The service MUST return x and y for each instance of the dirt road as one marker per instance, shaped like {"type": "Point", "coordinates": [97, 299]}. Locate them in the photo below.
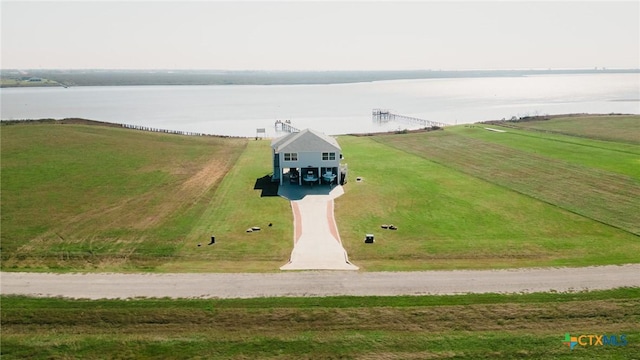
{"type": "Point", "coordinates": [318, 283]}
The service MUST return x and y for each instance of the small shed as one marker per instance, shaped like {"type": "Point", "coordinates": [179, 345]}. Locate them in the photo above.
{"type": "Point", "coordinates": [307, 156]}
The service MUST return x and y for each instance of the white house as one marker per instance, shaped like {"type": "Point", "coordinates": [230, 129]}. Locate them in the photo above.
{"type": "Point", "coordinates": [307, 156]}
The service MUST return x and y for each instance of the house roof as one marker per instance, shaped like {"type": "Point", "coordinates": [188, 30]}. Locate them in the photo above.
{"type": "Point", "coordinates": [306, 140]}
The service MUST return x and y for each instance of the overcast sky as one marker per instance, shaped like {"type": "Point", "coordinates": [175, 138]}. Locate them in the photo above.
{"type": "Point", "coordinates": [323, 35]}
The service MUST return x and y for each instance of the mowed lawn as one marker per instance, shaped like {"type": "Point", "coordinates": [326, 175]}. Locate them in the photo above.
{"type": "Point", "coordinates": [77, 197]}
{"type": "Point", "coordinates": [603, 196]}
{"type": "Point", "coordinates": [454, 207]}
{"type": "Point", "coordinates": [92, 198]}
{"type": "Point", "coordinates": [617, 128]}
{"type": "Point", "coordinates": [246, 198]}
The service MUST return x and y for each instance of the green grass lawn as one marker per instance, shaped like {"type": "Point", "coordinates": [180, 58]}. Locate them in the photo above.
{"type": "Point", "coordinates": [620, 128]}
{"type": "Point", "coordinates": [486, 326]}
{"type": "Point", "coordinates": [98, 198]}
{"type": "Point", "coordinates": [449, 217]}
{"type": "Point", "coordinates": [239, 203]}
{"type": "Point", "coordinates": [89, 198]}
{"type": "Point", "coordinates": [603, 196]}
{"type": "Point", "coordinates": [92, 198]}
{"type": "Point", "coordinates": [611, 156]}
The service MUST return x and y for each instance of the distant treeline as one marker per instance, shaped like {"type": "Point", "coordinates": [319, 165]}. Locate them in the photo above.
{"type": "Point", "coordinates": [220, 77]}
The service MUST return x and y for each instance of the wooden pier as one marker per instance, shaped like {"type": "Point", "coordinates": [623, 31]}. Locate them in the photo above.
{"type": "Point", "coordinates": [285, 126]}
{"type": "Point", "coordinates": [383, 115]}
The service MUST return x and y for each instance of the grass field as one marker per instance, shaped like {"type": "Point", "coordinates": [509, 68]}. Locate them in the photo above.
{"type": "Point", "coordinates": [447, 219]}
{"type": "Point", "coordinates": [467, 197]}
{"type": "Point", "coordinates": [89, 198]}
{"type": "Point", "coordinates": [603, 196]}
{"type": "Point", "coordinates": [92, 198]}
{"type": "Point", "coordinates": [621, 128]}
{"type": "Point", "coordinates": [486, 326]}
{"type": "Point", "coordinates": [244, 199]}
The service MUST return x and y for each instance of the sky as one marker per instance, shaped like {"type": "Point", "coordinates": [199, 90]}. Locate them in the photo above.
{"type": "Point", "coordinates": [322, 35]}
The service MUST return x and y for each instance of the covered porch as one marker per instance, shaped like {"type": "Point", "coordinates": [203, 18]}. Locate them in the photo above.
{"type": "Point", "coordinates": [311, 175]}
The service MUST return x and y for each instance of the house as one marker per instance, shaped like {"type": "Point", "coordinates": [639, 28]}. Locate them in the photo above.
{"type": "Point", "coordinates": [307, 157]}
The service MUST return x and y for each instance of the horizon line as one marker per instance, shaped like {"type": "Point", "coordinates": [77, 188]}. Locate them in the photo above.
{"type": "Point", "coordinates": [598, 68]}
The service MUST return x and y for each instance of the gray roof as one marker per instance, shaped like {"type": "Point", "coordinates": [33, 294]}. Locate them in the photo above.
{"type": "Point", "coordinates": [306, 140]}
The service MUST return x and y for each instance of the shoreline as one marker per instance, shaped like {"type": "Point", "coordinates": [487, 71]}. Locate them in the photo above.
{"type": "Point", "coordinates": [14, 78]}
{"type": "Point", "coordinates": [90, 122]}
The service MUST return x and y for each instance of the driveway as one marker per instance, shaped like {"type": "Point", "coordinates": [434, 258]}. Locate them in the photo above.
{"type": "Point", "coordinates": [316, 240]}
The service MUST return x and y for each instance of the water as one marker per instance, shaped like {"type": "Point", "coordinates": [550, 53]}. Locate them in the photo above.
{"type": "Point", "coordinates": [238, 110]}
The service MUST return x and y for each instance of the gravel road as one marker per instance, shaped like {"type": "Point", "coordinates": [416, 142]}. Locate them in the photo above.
{"type": "Point", "coordinates": [318, 283]}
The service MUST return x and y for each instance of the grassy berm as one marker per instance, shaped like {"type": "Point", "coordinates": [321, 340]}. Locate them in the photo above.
{"type": "Point", "coordinates": [489, 326]}
{"type": "Point", "coordinates": [558, 192]}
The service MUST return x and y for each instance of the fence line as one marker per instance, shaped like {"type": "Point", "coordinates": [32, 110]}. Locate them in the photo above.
{"type": "Point", "coordinates": [79, 121]}
{"type": "Point", "coordinates": [165, 131]}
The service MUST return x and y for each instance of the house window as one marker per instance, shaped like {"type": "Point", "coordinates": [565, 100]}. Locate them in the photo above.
{"type": "Point", "coordinates": [328, 156]}
{"type": "Point", "coordinates": [290, 156]}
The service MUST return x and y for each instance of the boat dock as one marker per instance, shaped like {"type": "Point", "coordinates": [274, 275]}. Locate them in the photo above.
{"type": "Point", "coordinates": [285, 126]}
{"type": "Point", "coordinates": [383, 115]}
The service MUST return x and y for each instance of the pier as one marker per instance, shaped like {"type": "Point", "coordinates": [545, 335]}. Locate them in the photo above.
{"type": "Point", "coordinates": [383, 115]}
{"type": "Point", "coordinates": [285, 126]}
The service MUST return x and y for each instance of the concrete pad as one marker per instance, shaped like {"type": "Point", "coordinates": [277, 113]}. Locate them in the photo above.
{"type": "Point", "coordinates": [298, 192]}
{"type": "Point", "coordinates": [317, 244]}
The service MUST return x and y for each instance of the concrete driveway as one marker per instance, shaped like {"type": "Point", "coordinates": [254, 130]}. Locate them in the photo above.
{"type": "Point", "coordinates": [316, 240]}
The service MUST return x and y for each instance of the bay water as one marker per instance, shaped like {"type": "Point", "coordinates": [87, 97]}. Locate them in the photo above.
{"type": "Point", "coordinates": [239, 110]}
